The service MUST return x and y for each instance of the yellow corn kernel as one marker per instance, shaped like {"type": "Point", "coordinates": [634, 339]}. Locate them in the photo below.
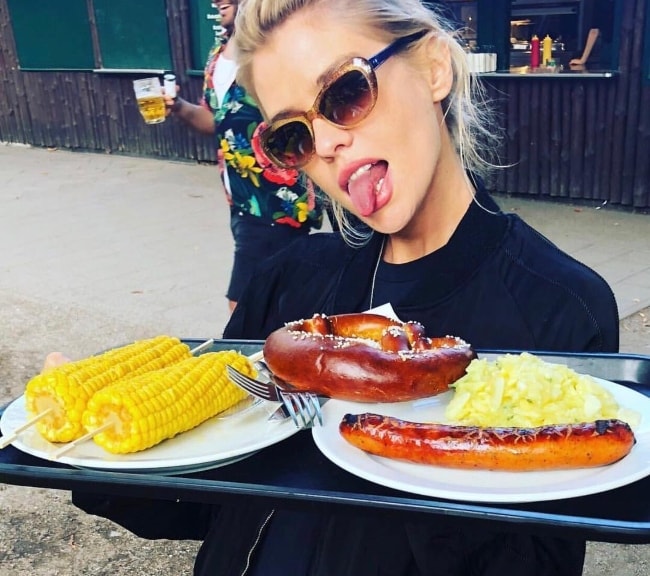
{"type": "Point", "coordinates": [66, 389]}
{"type": "Point", "coordinates": [148, 409]}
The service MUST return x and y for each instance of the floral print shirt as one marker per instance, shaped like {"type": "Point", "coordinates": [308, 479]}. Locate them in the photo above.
{"type": "Point", "coordinates": [256, 186]}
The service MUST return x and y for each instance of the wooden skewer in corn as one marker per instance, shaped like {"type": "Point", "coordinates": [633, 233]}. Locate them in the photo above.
{"type": "Point", "coordinates": [61, 451]}
{"type": "Point", "coordinates": [201, 347]}
{"type": "Point", "coordinates": [6, 440]}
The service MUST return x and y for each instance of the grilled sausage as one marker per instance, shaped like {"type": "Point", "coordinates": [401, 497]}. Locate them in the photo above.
{"type": "Point", "coordinates": [555, 447]}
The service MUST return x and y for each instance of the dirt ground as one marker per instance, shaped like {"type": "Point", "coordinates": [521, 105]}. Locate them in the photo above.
{"type": "Point", "coordinates": [44, 535]}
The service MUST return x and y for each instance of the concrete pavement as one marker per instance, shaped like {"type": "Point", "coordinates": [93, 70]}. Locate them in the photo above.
{"type": "Point", "coordinates": [139, 239]}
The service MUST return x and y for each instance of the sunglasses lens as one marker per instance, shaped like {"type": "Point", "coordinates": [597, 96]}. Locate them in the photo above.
{"type": "Point", "coordinates": [347, 100]}
{"type": "Point", "coordinates": [290, 145]}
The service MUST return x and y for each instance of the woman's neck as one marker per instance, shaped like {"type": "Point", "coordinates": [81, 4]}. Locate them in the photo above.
{"type": "Point", "coordinates": [438, 216]}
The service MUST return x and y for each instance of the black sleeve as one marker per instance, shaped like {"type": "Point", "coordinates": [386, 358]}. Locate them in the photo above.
{"type": "Point", "coordinates": [151, 519]}
{"type": "Point", "coordinates": [294, 283]}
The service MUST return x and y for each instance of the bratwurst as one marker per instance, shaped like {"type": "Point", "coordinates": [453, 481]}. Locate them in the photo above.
{"type": "Point", "coordinates": [552, 447]}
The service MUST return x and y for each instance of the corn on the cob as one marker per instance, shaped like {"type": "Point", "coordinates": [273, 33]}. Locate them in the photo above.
{"type": "Point", "coordinates": [66, 389]}
{"type": "Point", "coordinates": [150, 408]}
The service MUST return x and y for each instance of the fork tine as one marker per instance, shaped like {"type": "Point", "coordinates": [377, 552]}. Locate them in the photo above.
{"type": "Point", "coordinates": [250, 385]}
{"type": "Point", "coordinates": [235, 376]}
{"type": "Point", "coordinates": [287, 400]}
{"type": "Point", "coordinates": [303, 407]}
{"type": "Point", "coordinates": [303, 410]}
{"type": "Point", "coordinates": [307, 399]}
{"type": "Point", "coordinates": [255, 387]}
{"type": "Point", "coordinates": [316, 404]}
{"type": "Point", "coordinates": [311, 408]}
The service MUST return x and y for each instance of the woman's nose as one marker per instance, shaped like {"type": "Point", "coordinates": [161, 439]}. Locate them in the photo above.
{"type": "Point", "coordinates": [328, 139]}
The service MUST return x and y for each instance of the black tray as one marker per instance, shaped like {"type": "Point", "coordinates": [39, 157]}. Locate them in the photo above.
{"type": "Point", "coordinates": [621, 515]}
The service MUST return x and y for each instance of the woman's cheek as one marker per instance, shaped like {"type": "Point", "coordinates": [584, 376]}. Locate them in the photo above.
{"type": "Point", "coordinates": [329, 185]}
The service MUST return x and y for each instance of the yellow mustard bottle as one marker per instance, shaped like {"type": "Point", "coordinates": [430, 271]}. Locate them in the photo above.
{"type": "Point", "coordinates": [547, 47]}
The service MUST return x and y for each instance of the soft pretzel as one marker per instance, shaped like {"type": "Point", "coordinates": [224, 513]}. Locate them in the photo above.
{"type": "Point", "coordinates": [365, 358]}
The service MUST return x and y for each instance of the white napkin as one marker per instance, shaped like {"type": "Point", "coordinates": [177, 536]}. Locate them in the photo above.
{"type": "Point", "coordinates": [384, 310]}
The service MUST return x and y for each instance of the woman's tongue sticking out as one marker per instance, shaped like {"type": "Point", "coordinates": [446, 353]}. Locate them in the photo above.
{"type": "Point", "coordinates": [364, 185]}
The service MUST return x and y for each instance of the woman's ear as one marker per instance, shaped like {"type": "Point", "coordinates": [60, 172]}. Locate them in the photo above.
{"type": "Point", "coordinates": [439, 68]}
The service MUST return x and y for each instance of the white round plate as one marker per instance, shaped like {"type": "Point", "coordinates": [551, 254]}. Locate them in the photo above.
{"type": "Point", "coordinates": [480, 485]}
{"type": "Point", "coordinates": [216, 442]}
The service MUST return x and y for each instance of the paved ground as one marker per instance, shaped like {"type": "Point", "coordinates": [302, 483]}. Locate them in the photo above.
{"type": "Point", "coordinates": [100, 250]}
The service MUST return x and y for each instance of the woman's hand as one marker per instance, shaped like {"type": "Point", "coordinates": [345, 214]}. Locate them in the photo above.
{"type": "Point", "coordinates": [54, 359]}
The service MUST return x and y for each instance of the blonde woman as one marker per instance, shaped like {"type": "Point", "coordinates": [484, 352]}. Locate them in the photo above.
{"type": "Point", "coordinates": [372, 100]}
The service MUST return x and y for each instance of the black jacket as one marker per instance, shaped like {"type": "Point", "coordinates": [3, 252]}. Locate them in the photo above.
{"type": "Point", "coordinates": [498, 284]}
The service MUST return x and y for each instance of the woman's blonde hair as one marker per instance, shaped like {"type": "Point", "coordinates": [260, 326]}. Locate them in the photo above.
{"type": "Point", "coordinates": [467, 115]}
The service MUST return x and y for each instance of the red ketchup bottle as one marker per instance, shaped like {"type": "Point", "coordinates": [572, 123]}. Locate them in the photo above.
{"type": "Point", "coordinates": [534, 52]}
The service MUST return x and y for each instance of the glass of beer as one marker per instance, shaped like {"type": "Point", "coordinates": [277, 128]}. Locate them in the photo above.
{"type": "Point", "coordinates": [149, 96]}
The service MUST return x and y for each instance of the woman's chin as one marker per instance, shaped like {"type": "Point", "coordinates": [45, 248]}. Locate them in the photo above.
{"type": "Point", "coordinates": [385, 222]}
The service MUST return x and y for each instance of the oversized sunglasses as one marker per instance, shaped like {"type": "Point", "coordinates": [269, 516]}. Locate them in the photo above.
{"type": "Point", "coordinates": [348, 95]}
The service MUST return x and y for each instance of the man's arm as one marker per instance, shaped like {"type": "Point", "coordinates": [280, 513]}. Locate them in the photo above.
{"type": "Point", "coordinates": [589, 45]}
{"type": "Point", "coordinates": [195, 115]}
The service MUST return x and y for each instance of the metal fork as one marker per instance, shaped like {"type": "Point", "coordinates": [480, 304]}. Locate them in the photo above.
{"type": "Point", "coordinates": [303, 407]}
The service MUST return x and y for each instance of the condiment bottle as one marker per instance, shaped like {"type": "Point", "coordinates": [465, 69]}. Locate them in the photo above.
{"type": "Point", "coordinates": [547, 47]}
{"type": "Point", "coordinates": [534, 52]}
